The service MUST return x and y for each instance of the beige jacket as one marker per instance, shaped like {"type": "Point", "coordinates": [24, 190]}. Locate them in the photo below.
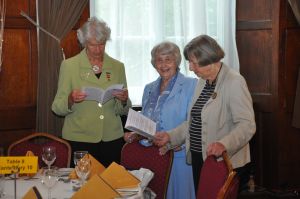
{"type": "Point", "coordinates": [228, 119]}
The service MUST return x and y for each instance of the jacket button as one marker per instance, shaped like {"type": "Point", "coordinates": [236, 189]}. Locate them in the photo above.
{"type": "Point", "coordinates": [101, 117]}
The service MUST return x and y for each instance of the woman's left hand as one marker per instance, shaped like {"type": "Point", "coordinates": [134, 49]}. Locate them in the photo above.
{"type": "Point", "coordinates": [161, 138]}
{"type": "Point", "coordinates": [121, 95]}
{"type": "Point", "coordinates": [129, 136]}
{"type": "Point", "coordinates": [215, 149]}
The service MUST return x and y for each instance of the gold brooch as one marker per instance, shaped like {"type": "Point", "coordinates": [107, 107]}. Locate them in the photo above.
{"type": "Point", "coordinates": [214, 95]}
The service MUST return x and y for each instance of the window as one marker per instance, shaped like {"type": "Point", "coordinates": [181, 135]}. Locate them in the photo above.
{"type": "Point", "coordinates": [138, 25]}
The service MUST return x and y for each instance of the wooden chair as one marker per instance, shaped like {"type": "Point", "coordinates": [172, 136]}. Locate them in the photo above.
{"type": "Point", "coordinates": [218, 180]}
{"type": "Point", "coordinates": [36, 141]}
{"type": "Point", "coordinates": [135, 156]}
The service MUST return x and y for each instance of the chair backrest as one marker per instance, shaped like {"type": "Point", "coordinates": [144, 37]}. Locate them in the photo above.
{"type": "Point", "coordinates": [231, 186]}
{"type": "Point", "coordinates": [36, 141]}
{"type": "Point", "coordinates": [135, 156]}
{"type": "Point", "coordinates": [218, 180]}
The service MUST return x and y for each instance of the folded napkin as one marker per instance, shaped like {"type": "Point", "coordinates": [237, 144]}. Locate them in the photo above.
{"type": "Point", "coordinates": [145, 176]}
{"type": "Point", "coordinates": [118, 177]}
{"type": "Point", "coordinates": [32, 193]}
{"type": "Point", "coordinates": [96, 167]}
{"type": "Point", "coordinates": [96, 188]}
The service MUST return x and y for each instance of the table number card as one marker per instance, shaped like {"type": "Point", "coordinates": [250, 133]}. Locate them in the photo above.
{"type": "Point", "coordinates": [18, 164]}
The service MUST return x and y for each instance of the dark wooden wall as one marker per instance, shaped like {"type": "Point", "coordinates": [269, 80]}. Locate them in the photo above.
{"type": "Point", "coordinates": [18, 78]}
{"type": "Point", "coordinates": [268, 40]}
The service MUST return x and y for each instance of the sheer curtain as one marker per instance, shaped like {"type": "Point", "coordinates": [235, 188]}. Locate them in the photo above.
{"type": "Point", "coordinates": [138, 25]}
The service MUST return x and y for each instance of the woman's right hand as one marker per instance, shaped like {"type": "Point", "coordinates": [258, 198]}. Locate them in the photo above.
{"type": "Point", "coordinates": [76, 96]}
{"type": "Point", "coordinates": [161, 138]}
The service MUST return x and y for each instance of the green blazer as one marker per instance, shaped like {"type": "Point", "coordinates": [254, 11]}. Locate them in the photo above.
{"type": "Point", "coordinates": [88, 121]}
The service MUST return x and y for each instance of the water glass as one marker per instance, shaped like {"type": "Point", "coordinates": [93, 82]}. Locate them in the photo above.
{"type": "Point", "coordinates": [83, 169]}
{"type": "Point", "coordinates": [78, 155]}
{"type": "Point", "coordinates": [49, 179]}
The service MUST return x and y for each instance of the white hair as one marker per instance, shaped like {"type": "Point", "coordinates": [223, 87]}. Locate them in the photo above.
{"type": "Point", "coordinates": [93, 29]}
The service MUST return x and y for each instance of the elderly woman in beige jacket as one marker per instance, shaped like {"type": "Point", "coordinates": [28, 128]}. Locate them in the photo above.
{"type": "Point", "coordinates": [221, 117]}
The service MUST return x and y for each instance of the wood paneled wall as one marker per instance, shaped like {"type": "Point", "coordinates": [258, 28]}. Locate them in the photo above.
{"type": "Point", "coordinates": [18, 78]}
{"type": "Point", "coordinates": [268, 38]}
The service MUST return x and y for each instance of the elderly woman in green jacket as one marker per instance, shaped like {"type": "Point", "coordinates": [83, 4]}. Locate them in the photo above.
{"type": "Point", "coordinates": [89, 125]}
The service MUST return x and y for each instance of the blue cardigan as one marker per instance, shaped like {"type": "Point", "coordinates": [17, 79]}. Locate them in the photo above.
{"type": "Point", "coordinates": [175, 109]}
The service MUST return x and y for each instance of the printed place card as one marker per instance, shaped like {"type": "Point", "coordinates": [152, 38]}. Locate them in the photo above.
{"type": "Point", "coordinates": [18, 164]}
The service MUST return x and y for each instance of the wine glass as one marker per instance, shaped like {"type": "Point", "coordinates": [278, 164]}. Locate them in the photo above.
{"type": "Point", "coordinates": [49, 179]}
{"type": "Point", "coordinates": [49, 155]}
{"type": "Point", "coordinates": [78, 155]}
{"type": "Point", "coordinates": [83, 169]}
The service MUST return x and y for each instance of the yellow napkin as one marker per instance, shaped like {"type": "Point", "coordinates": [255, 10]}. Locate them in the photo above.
{"type": "Point", "coordinates": [96, 167]}
{"type": "Point", "coordinates": [28, 153]}
{"type": "Point", "coordinates": [96, 188]}
{"type": "Point", "coordinates": [32, 193]}
{"type": "Point", "coordinates": [118, 177]}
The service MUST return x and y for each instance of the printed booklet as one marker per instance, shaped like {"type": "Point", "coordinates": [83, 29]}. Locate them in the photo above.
{"type": "Point", "coordinates": [140, 124]}
{"type": "Point", "coordinates": [100, 95]}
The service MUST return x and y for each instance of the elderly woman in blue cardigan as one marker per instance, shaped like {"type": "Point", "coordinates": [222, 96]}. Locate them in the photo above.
{"type": "Point", "coordinates": [166, 101]}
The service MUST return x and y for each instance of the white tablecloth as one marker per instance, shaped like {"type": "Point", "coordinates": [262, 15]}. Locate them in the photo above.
{"type": "Point", "coordinates": [64, 190]}
{"type": "Point", "coordinates": [60, 191]}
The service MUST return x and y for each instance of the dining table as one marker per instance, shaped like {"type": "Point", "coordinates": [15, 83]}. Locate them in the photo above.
{"type": "Point", "coordinates": [64, 187]}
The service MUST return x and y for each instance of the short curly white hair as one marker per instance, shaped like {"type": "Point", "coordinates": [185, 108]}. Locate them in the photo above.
{"type": "Point", "coordinates": [93, 29]}
{"type": "Point", "coordinates": [166, 48]}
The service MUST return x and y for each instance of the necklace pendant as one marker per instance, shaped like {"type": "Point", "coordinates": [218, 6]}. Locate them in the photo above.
{"type": "Point", "coordinates": [95, 68]}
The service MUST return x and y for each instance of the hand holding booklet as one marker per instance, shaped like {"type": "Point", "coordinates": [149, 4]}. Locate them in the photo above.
{"type": "Point", "coordinates": [140, 124]}
{"type": "Point", "coordinates": [100, 95]}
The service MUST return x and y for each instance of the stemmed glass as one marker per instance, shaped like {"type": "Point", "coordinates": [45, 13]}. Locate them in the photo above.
{"type": "Point", "coordinates": [83, 169]}
{"type": "Point", "coordinates": [49, 155]}
{"type": "Point", "coordinates": [49, 179]}
{"type": "Point", "coordinates": [78, 155]}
